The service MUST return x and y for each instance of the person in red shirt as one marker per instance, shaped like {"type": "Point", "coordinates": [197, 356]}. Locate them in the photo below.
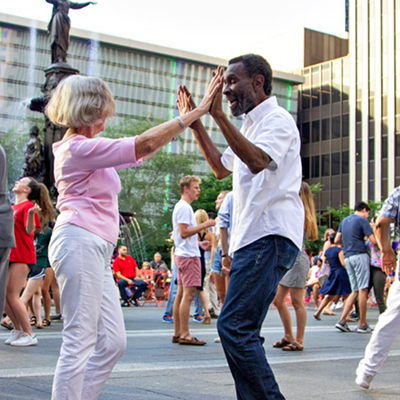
{"type": "Point", "coordinates": [125, 269]}
{"type": "Point", "coordinates": [31, 198]}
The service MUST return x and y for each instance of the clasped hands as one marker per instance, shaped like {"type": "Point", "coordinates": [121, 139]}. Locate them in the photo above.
{"type": "Point", "coordinates": [212, 100]}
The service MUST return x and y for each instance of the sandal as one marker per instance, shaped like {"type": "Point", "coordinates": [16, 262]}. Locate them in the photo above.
{"type": "Point", "coordinates": [46, 322]}
{"type": "Point", "coordinates": [317, 317]}
{"type": "Point", "coordinates": [281, 343]}
{"type": "Point", "coordinates": [32, 320]}
{"type": "Point", "coordinates": [294, 346]}
{"type": "Point", "coordinates": [192, 341]}
{"type": "Point", "coordinates": [7, 325]}
{"type": "Point", "coordinates": [328, 313]}
{"type": "Point", "coordinates": [175, 339]}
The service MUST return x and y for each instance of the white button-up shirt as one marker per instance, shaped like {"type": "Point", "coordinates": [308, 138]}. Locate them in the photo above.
{"type": "Point", "coordinates": [267, 203]}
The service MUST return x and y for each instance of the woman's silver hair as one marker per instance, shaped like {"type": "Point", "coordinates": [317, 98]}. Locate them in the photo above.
{"type": "Point", "coordinates": [80, 101]}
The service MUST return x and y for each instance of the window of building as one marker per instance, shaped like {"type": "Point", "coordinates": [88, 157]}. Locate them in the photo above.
{"type": "Point", "coordinates": [371, 149]}
{"type": "Point", "coordinates": [397, 144]}
{"type": "Point", "coordinates": [345, 162]}
{"type": "Point", "coordinates": [336, 127]}
{"type": "Point", "coordinates": [305, 133]}
{"type": "Point", "coordinates": [345, 125]}
{"type": "Point", "coordinates": [384, 146]}
{"type": "Point", "coordinates": [358, 151]}
{"type": "Point", "coordinates": [335, 160]}
{"type": "Point", "coordinates": [315, 167]}
{"type": "Point", "coordinates": [325, 165]}
{"type": "Point", "coordinates": [326, 129]}
{"type": "Point", "coordinates": [315, 132]}
{"type": "Point", "coordinates": [326, 94]}
{"type": "Point", "coordinates": [305, 99]}
{"type": "Point", "coordinates": [306, 167]}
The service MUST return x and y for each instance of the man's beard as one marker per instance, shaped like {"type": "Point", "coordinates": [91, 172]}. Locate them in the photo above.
{"type": "Point", "coordinates": [244, 103]}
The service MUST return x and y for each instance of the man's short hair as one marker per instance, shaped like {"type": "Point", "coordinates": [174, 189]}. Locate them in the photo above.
{"type": "Point", "coordinates": [361, 205]}
{"type": "Point", "coordinates": [122, 245]}
{"type": "Point", "coordinates": [186, 181]}
{"type": "Point", "coordinates": [256, 65]}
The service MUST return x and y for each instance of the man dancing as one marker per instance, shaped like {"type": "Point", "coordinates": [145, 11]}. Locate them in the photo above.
{"type": "Point", "coordinates": [268, 215]}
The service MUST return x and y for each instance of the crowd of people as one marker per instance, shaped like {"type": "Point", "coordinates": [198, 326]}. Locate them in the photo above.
{"type": "Point", "coordinates": [256, 243]}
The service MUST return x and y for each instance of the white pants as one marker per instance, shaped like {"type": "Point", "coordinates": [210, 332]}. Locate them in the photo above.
{"type": "Point", "coordinates": [211, 290]}
{"type": "Point", "coordinates": [94, 333]}
{"type": "Point", "coordinates": [385, 333]}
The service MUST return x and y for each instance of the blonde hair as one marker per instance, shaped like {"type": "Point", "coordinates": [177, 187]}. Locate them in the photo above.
{"type": "Point", "coordinates": [146, 265]}
{"type": "Point", "coordinates": [201, 216]}
{"type": "Point", "coordinates": [310, 221]}
{"type": "Point", "coordinates": [328, 233]}
{"type": "Point", "coordinates": [80, 101]}
{"type": "Point", "coordinates": [186, 181]}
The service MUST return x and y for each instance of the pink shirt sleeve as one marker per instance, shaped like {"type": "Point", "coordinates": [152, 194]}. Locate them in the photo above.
{"type": "Point", "coordinates": [98, 153]}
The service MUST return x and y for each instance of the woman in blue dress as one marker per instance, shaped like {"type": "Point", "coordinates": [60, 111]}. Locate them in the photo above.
{"type": "Point", "coordinates": [338, 283]}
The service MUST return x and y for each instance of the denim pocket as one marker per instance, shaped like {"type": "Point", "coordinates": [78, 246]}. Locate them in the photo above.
{"type": "Point", "coordinates": [286, 253]}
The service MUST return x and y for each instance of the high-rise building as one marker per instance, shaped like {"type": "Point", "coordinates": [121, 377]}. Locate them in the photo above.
{"type": "Point", "coordinates": [349, 110]}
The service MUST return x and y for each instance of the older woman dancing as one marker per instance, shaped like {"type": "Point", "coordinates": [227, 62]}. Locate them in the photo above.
{"type": "Point", "coordinates": [86, 230]}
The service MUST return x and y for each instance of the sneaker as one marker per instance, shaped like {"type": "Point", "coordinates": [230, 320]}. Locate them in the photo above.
{"type": "Point", "coordinates": [363, 379]}
{"type": "Point", "coordinates": [55, 317]}
{"type": "Point", "coordinates": [206, 321]}
{"type": "Point", "coordinates": [217, 340]}
{"type": "Point", "coordinates": [125, 303]}
{"type": "Point", "coordinates": [168, 319]}
{"type": "Point", "coordinates": [15, 334]}
{"type": "Point", "coordinates": [25, 340]}
{"type": "Point", "coordinates": [354, 315]}
{"type": "Point", "coordinates": [342, 326]}
{"type": "Point", "coordinates": [364, 329]}
{"type": "Point", "coordinates": [213, 314]}
{"type": "Point", "coordinates": [198, 319]}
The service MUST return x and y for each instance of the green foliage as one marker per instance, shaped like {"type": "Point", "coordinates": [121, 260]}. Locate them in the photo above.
{"type": "Point", "coordinates": [14, 142]}
{"type": "Point", "coordinates": [344, 211]}
{"type": "Point", "coordinates": [152, 190]}
{"type": "Point", "coordinates": [210, 189]}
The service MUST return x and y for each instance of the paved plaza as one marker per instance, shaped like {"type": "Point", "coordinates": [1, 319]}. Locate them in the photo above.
{"type": "Point", "coordinates": [153, 368]}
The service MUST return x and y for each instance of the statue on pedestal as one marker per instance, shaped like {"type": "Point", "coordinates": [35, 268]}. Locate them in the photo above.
{"type": "Point", "coordinates": [34, 160]}
{"type": "Point", "coordinates": [59, 27]}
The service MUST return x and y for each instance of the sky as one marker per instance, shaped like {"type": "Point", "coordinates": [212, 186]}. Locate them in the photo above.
{"type": "Point", "coordinates": [217, 28]}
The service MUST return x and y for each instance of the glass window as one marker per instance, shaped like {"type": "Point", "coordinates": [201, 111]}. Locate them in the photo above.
{"type": "Point", "coordinates": [384, 146]}
{"type": "Point", "coordinates": [315, 132]}
{"type": "Point", "coordinates": [335, 163]}
{"type": "Point", "coordinates": [345, 125]}
{"type": "Point", "coordinates": [315, 167]}
{"type": "Point", "coordinates": [336, 127]}
{"type": "Point", "coordinates": [326, 94]}
{"type": "Point", "coordinates": [397, 144]}
{"type": "Point", "coordinates": [371, 149]}
{"type": "Point", "coordinates": [325, 165]}
{"type": "Point", "coordinates": [345, 162]}
{"type": "Point", "coordinates": [306, 167]}
{"type": "Point", "coordinates": [305, 99]}
{"type": "Point", "coordinates": [358, 151]}
{"type": "Point", "coordinates": [326, 129]}
{"type": "Point", "coordinates": [305, 134]}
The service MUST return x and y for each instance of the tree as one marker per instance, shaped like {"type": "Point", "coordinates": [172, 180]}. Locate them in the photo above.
{"type": "Point", "coordinates": [210, 189]}
{"type": "Point", "coordinates": [14, 142]}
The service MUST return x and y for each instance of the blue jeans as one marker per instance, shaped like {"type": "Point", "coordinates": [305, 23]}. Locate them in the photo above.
{"type": "Point", "coordinates": [172, 293]}
{"type": "Point", "coordinates": [255, 273]}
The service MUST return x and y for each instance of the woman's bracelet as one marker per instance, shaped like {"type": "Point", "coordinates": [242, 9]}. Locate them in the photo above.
{"type": "Point", "coordinates": [180, 122]}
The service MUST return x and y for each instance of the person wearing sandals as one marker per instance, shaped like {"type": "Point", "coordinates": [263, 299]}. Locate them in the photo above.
{"type": "Point", "coordinates": [187, 258]}
{"type": "Point", "coordinates": [338, 283]}
{"type": "Point", "coordinates": [294, 280]}
{"type": "Point", "coordinates": [31, 198]}
{"type": "Point", "coordinates": [86, 230]}
{"type": "Point", "coordinates": [268, 215]}
{"type": "Point", "coordinates": [7, 241]}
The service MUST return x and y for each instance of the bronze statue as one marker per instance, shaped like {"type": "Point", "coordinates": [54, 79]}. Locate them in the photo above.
{"type": "Point", "coordinates": [59, 27]}
{"type": "Point", "coordinates": [34, 160]}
